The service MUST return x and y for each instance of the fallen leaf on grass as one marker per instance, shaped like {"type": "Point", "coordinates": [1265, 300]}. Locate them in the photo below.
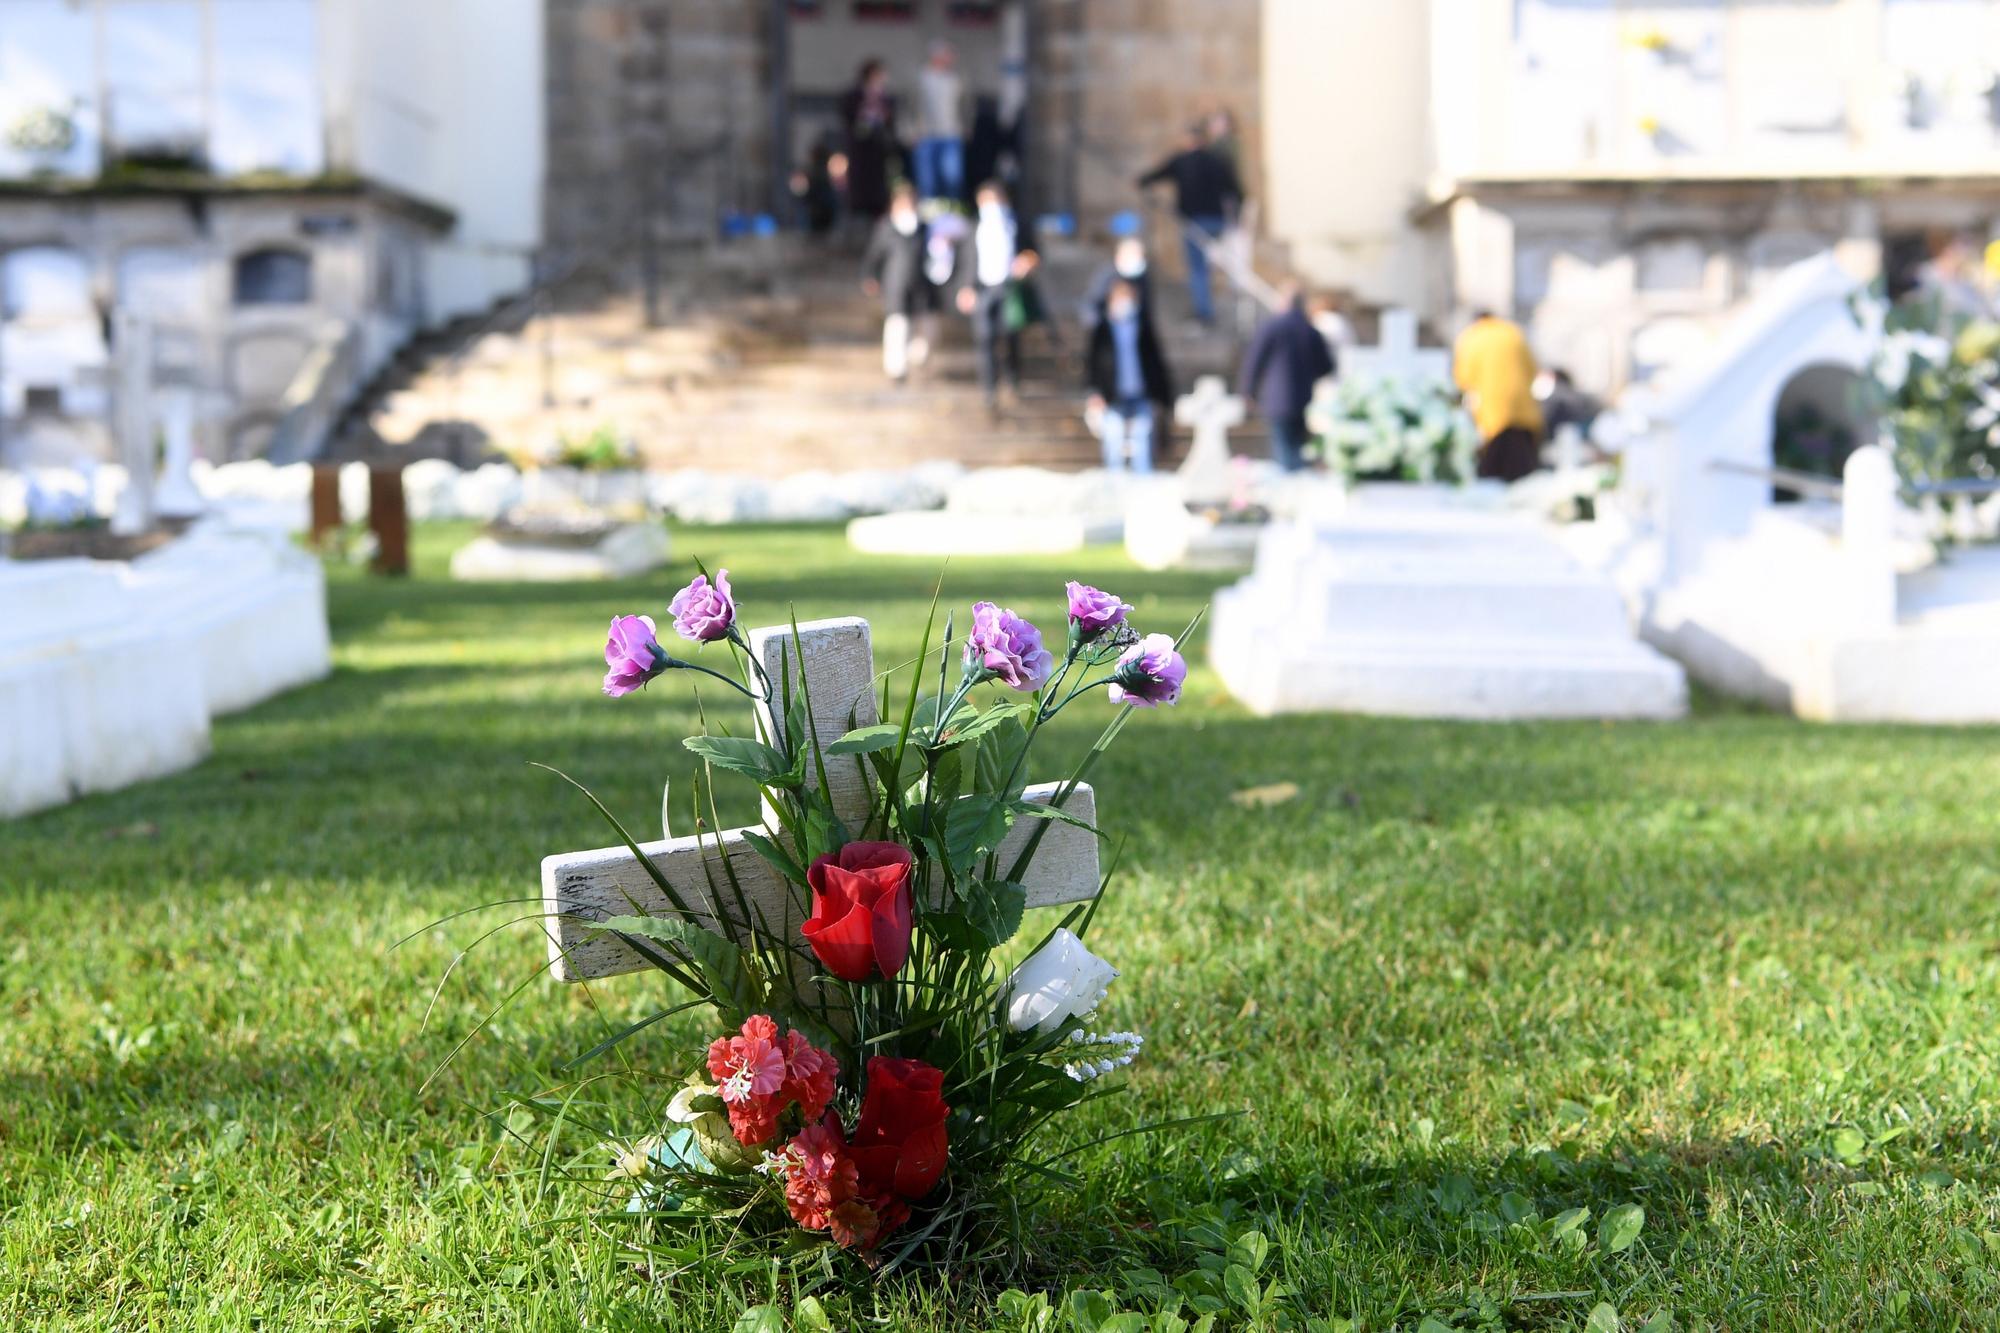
{"type": "Point", "coordinates": [1256, 798]}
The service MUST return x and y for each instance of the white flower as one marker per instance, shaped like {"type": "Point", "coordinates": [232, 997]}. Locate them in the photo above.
{"type": "Point", "coordinates": [1063, 980]}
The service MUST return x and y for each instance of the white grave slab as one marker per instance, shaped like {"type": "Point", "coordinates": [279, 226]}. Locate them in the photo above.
{"type": "Point", "coordinates": [110, 673]}
{"type": "Point", "coordinates": [1006, 511]}
{"type": "Point", "coordinates": [1435, 610]}
{"type": "Point", "coordinates": [625, 551]}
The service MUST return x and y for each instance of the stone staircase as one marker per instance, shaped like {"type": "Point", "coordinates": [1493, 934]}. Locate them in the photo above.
{"type": "Point", "coordinates": [770, 368]}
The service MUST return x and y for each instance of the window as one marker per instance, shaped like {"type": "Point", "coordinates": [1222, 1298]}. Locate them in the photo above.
{"type": "Point", "coordinates": [273, 277]}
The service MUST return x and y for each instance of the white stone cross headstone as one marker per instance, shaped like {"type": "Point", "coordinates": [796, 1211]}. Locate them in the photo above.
{"type": "Point", "coordinates": [582, 888]}
{"type": "Point", "coordinates": [132, 421]}
{"type": "Point", "coordinates": [1210, 410]}
{"type": "Point", "coordinates": [1397, 356]}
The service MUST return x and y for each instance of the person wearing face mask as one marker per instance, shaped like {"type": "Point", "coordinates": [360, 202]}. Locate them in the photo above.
{"type": "Point", "coordinates": [893, 267]}
{"type": "Point", "coordinates": [1127, 378]}
{"type": "Point", "coordinates": [1128, 262]}
{"type": "Point", "coordinates": [995, 261]}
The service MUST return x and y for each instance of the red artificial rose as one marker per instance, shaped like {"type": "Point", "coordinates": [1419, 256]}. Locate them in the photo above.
{"type": "Point", "coordinates": [899, 1142]}
{"type": "Point", "coordinates": [860, 924]}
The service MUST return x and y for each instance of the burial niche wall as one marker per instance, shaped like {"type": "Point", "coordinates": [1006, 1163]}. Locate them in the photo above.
{"type": "Point", "coordinates": [1820, 419]}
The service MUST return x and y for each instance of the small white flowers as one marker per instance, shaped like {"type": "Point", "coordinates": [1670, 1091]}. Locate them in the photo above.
{"type": "Point", "coordinates": [1062, 981]}
{"type": "Point", "coordinates": [1113, 1050]}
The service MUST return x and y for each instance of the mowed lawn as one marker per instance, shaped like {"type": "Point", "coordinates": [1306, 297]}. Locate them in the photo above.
{"type": "Point", "coordinates": [1739, 972]}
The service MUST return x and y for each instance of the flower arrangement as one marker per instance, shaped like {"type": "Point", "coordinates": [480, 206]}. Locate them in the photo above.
{"type": "Point", "coordinates": [1375, 429]}
{"type": "Point", "coordinates": [876, 1079]}
{"type": "Point", "coordinates": [1934, 384]}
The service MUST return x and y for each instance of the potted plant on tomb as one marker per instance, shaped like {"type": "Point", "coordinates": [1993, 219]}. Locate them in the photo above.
{"type": "Point", "coordinates": [890, 1033]}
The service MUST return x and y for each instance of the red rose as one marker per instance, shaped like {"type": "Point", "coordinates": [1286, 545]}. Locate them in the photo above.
{"type": "Point", "coordinates": [860, 925]}
{"type": "Point", "coordinates": [899, 1142]}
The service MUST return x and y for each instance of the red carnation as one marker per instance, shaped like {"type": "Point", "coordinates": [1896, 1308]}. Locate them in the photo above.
{"type": "Point", "coordinates": [758, 1077]}
{"type": "Point", "coordinates": [860, 924]}
{"type": "Point", "coordinates": [824, 1192]}
{"type": "Point", "coordinates": [899, 1142]}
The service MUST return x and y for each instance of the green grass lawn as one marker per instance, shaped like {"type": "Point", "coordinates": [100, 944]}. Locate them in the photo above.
{"type": "Point", "coordinates": [1739, 972]}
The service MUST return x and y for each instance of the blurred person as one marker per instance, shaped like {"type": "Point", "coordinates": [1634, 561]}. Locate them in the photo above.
{"type": "Point", "coordinates": [1286, 357]}
{"type": "Point", "coordinates": [1219, 129]}
{"type": "Point", "coordinates": [994, 261]}
{"type": "Point", "coordinates": [1563, 404]}
{"type": "Point", "coordinates": [939, 157]}
{"type": "Point", "coordinates": [893, 268]}
{"type": "Point", "coordinates": [868, 117]}
{"type": "Point", "coordinates": [1127, 377]}
{"type": "Point", "coordinates": [1127, 264]}
{"type": "Point", "coordinates": [1207, 196]}
{"type": "Point", "coordinates": [1495, 370]}
{"type": "Point", "coordinates": [814, 188]}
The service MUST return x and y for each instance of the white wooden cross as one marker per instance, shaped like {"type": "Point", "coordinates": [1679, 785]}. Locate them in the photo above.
{"type": "Point", "coordinates": [1397, 356]}
{"type": "Point", "coordinates": [838, 662]}
{"type": "Point", "coordinates": [1211, 410]}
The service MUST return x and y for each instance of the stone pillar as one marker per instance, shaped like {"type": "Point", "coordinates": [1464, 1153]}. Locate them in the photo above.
{"type": "Point", "coordinates": [132, 421]}
{"type": "Point", "coordinates": [1867, 601]}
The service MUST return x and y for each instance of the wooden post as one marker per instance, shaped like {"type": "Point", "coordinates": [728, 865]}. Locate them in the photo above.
{"type": "Point", "coordinates": [325, 503]}
{"type": "Point", "coordinates": [389, 520]}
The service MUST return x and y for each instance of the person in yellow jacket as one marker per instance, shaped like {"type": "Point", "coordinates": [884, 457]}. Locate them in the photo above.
{"type": "Point", "coordinates": [1495, 370]}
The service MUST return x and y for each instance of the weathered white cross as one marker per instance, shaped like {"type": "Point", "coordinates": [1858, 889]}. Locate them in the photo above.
{"type": "Point", "coordinates": [1211, 410]}
{"type": "Point", "coordinates": [1396, 356]}
{"type": "Point", "coordinates": [838, 666]}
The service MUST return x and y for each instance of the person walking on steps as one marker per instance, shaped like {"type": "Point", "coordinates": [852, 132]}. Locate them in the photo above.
{"type": "Point", "coordinates": [939, 159]}
{"type": "Point", "coordinates": [893, 268]}
{"type": "Point", "coordinates": [1207, 196]}
{"type": "Point", "coordinates": [1127, 377]}
{"type": "Point", "coordinates": [994, 263]}
{"type": "Point", "coordinates": [1287, 356]}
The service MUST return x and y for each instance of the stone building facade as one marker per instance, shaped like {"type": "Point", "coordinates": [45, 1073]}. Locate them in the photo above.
{"type": "Point", "coordinates": [673, 107]}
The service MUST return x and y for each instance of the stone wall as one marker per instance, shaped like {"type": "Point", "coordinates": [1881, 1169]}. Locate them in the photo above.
{"type": "Point", "coordinates": [667, 98]}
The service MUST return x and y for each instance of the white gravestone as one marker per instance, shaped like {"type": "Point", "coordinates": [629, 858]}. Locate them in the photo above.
{"type": "Point", "coordinates": [1396, 356]}
{"type": "Point", "coordinates": [835, 663]}
{"type": "Point", "coordinates": [1210, 411]}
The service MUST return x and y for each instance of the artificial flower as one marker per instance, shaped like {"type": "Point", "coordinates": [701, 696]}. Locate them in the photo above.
{"type": "Point", "coordinates": [633, 654]}
{"type": "Point", "coordinates": [700, 1108]}
{"type": "Point", "coordinates": [860, 923]}
{"type": "Point", "coordinates": [899, 1141]}
{"type": "Point", "coordinates": [702, 611]}
{"type": "Point", "coordinates": [824, 1191]}
{"type": "Point", "coordinates": [1001, 646]}
{"type": "Point", "coordinates": [1060, 981]}
{"type": "Point", "coordinates": [1149, 673]}
{"type": "Point", "coordinates": [1093, 613]}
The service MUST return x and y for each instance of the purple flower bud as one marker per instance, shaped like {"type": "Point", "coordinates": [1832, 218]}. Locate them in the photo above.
{"type": "Point", "coordinates": [1149, 673]}
{"type": "Point", "coordinates": [704, 612]}
{"type": "Point", "coordinates": [1093, 612]}
{"type": "Point", "coordinates": [633, 653]}
{"type": "Point", "coordinates": [1004, 647]}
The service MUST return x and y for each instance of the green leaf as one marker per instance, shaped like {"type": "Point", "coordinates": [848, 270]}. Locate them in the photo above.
{"type": "Point", "coordinates": [1567, 1221]}
{"type": "Point", "coordinates": [1432, 1324]}
{"type": "Point", "coordinates": [1043, 1088]}
{"type": "Point", "coordinates": [1250, 1249]}
{"type": "Point", "coordinates": [666, 815]}
{"type": "Point", "coordinates": [1849, 1144]}
{"type": "Point", "coordinates": [734, 985]}
{"type": "Point", "coordinates": [994, 907]}
{"type": "Point", "coordinates": [1603, 1319]}
{"type": "Point", "coordinates": [973, 826]}
{"type": "Point", "coordinates": [965, 728]}
{"type": "Point", "coordinates": [954, 930]}
{"type": "Point", "coordinates": [1037, 810]}
{"type": "Point", "coordinates": [1663, 1322]}
{"type": "Point", "coordinates": [773, 853]}
{"type": "Point", "coordinates": [809, 1316]}
{"type": "Point", "coordinates": [753, 759]}
{"type": "Point", "coordinates": [867, 740]}
{"type": "Point", "coordinates": [1123, 1323]}
{"type": "Point", "coordinates": [1088, 1310]}
{"type": "Point", "coordinates": [761, 1319]}
{"type": "Point", "coordinates": [1241, 1285]}
{"type": "Point", "coordinates": [1001, 771]}
{"type": "Point", "coordinates": [1620, 1227]}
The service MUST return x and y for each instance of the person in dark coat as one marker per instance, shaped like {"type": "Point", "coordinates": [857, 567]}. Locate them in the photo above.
{"type": "Point", "coordinates": [893, 268]}
{"type": "Point", "coordinates": [1208, 196]}
{"type": "Point", "coordinates": [874, 155]}
{"type": "Point", "coordinates": [1286, 357]}
{"type": "Point", "coordinates": [1127, 376]}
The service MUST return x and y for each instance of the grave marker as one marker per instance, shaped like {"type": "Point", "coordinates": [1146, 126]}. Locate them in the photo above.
{"type": "Point", "coordinates": [1396, 355]}
{"type": "Point", "coordinates": [837, 664]}
{"type": "Point", "coordinates": [1205, 475]}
